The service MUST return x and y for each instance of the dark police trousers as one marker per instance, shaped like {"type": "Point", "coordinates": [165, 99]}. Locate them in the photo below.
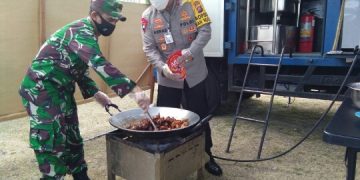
{"type": "Point", "coordinates": [192, 99]}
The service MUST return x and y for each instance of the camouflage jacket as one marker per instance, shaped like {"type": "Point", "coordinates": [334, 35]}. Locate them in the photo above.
{"type": "Point", "coordinates": [64, 60]}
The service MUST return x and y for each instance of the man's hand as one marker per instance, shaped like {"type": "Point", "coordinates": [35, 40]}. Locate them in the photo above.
{"type": "Point", "coordinates": [186, 55]}
{"type": "Point", "coordinates": [140, 98]}
{"type": "Point", "coordinates": [167, 73]}
{"type": "Point", "coordinates": [102, 98]}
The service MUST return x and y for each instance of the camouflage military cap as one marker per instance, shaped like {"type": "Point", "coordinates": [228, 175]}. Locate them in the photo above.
{"type": "Point", "coordinates": [110, 7]}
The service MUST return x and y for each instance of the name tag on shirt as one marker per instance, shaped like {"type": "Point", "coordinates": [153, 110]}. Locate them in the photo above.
{"type": "Point", "coordinates": [168, 38]}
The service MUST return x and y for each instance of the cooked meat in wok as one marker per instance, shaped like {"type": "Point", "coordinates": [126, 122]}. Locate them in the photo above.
{"type": "Point", "coordinates": [162, 123]}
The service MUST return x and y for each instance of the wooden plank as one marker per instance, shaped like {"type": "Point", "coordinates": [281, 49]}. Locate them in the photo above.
{"type": "Point", "coordinates": [42, 25]}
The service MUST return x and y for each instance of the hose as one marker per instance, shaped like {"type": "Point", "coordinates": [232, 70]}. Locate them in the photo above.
{"type": "Point", "coordinates": [311, 130]}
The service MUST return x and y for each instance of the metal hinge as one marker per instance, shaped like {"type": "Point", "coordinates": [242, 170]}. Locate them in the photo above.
{"type": "Point", "coordinates": [229, 6]}
{"type": "Point", "coordinates": [228, 45]}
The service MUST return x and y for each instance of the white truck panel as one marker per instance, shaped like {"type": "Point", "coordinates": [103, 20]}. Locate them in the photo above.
{"type": "Point", "coordinates": [215, 9]}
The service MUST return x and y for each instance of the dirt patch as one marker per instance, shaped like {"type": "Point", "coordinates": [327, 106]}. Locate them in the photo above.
{"type": "Point", "coordinates": [314, 159]}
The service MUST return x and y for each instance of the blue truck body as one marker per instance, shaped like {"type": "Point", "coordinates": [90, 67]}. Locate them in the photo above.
{"type": "Point", "coordinates": [311, 75]}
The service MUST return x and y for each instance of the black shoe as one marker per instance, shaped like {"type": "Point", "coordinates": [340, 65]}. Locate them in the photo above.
{"type": "Point", "coordinates": [213, 168]}
{"type": "Point", "coordinates": [82, 175]}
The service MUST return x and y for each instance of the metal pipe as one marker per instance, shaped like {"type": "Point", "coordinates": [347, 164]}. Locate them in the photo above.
{"type": "Point", "coordinates": [247, 25]}
{"type": "Point", "coordinates": [271, 103]}
{"type": "Point", "coordinates": [298, 14]}
{"type": "Point", "coordinates": [275, 26]}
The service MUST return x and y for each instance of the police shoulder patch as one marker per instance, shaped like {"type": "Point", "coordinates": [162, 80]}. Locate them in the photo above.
{"type": "Point", "coordinates": [144, 23]}
{"type": "Point", "coordinates": [185, 1]}
{"type": "Point", "coordinates": [201, 16]}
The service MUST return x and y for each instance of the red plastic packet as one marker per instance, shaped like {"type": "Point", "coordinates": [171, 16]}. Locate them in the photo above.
{"type": "Point", "coordinates": [174, 66]}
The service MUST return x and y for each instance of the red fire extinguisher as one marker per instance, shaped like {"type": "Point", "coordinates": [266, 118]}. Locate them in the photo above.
{"type": "Point", "coordinates": [307, 26]}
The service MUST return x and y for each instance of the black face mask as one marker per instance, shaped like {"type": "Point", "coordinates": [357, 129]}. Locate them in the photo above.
{"type": "Point", "coordinates": [105, 28]}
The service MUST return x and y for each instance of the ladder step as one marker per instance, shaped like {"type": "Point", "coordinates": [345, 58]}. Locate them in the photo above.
{"type": "Point", "coordinates": [250, 119]}
{"type": "Point", "coordinates": [262, 64]}
{"type": "Point", "coordinates": [256, 91]}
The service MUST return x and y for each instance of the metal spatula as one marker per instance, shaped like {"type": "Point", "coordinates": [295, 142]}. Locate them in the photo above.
{"type": "Point", "coordinates": [151, 121]}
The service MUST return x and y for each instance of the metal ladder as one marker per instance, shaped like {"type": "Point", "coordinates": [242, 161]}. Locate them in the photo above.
{"type": "Point", "coordinates": [253, 90]}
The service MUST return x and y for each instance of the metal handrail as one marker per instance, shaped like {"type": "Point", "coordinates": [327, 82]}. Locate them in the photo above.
{"type": "Point", "coordinates": [275, 27]}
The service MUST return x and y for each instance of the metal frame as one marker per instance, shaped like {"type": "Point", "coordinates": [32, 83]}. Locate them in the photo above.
{"type": "Point", "coordinates": [301, 83]}
{"type": "Point", "coordinates": [245, 88]}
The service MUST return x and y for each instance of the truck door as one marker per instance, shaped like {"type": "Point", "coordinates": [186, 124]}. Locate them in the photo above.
{"type": "Point", "coordinates": [215, 9]}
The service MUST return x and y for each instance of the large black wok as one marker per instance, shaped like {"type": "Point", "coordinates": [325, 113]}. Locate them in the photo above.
{"type": "Point", "coordinates": [122, 119]}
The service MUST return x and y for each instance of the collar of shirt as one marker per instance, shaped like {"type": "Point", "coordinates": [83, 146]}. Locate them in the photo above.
{"type": "Point", "coordinates": [91, 23]}
{"type": "Point", "coordinates": [167, 14]}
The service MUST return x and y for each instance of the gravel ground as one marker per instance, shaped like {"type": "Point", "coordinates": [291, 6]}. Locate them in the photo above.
{"type": "Point", "coordinates": [314, 159]}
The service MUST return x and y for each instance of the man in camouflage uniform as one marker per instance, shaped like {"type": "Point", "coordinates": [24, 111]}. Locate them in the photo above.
{"type": "Point", "coordinates": [48, 87]}
{"type": "Point", "coordinates": [180, 25]}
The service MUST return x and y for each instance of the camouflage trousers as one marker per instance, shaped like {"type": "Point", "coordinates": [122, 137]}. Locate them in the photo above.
{"type": "Point", "coordinates": [54, 129]}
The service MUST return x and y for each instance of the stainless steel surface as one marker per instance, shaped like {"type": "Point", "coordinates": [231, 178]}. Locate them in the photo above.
{"type": "Point", "coordinates": [129, 161]}
{"type": "Point", "coordinates": [124, 118]}
{"type": "Point", "coordinates": [351, 25]}
{"type": "Point", "coordinates": [355, 93]}
{"type": "Point", "coordinates": [282, 6]}
{"type": "Point", "coordinates": [263, 35]}
{"type": "Point", "coordinates": [274, 23]}
{"type": "Point", "coordinates": [151, 121]}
